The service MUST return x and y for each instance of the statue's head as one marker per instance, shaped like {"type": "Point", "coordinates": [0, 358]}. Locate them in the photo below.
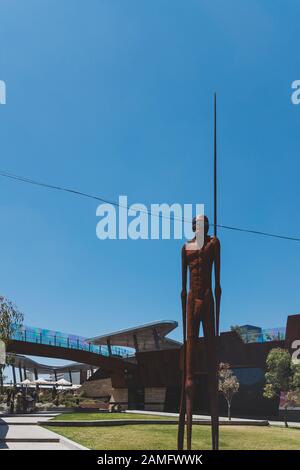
{"type": "Point", "coordinates": [198, 220]}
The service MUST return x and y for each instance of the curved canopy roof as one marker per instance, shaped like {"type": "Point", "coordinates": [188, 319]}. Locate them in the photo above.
{"type": "Point", "coordinates": [149, 337]}
{"type": "Point", "coordinates": [30, 364]}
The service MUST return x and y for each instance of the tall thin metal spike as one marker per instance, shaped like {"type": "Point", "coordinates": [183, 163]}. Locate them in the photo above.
{"type": "Point", "coordinates": [215, 164]}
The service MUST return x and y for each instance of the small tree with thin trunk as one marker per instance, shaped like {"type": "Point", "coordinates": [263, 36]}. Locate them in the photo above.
{"type": "Point", "coordinates": [282, 375]}
{"type": "Point", "coordinates": [228, 384]}
{"type": "Point", "coordinates": [11, 321]}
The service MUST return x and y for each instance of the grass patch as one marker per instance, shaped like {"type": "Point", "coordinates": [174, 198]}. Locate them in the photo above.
{"type": "Point", "coordinates": [164, 437]}
{"type": "Point", "coordinates": [94, 416]}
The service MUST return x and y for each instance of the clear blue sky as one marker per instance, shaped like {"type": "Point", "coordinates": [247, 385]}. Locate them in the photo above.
{"type": "Point", "coordinates": [115, 97]}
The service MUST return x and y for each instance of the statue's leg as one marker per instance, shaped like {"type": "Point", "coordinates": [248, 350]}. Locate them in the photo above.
{"type": "Point", "coordinates": [181, 423]}
{"type": "Point", "coordinates": [212, 369]}
{"type": "Point", "coordinates": [193, 323]}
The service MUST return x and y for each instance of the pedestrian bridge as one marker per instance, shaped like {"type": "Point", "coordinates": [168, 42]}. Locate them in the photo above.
{"type": "Point", "coordinates": [53, 344]}
{"type": "Point", "coordinates": [63, 340]}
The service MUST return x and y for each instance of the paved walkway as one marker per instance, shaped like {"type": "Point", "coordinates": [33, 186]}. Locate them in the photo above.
{"type": "Point", "coordinates": [281, 423]}
{"type": "Point", "coordinates": [200, 417]}
{"type": "Point", "coordinates": [21, 432]}
{"type": "Point", "coordinates": [223, 418]}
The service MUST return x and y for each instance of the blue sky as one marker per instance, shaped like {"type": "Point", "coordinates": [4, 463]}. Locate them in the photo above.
{"type": "Point", "coordinates": [115, 97]}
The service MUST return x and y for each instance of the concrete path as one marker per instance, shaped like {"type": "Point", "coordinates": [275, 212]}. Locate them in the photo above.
{"type": "Point", "coordinates": [23, 433]}
{"type": "Point", "coordinates": [32, 446]}
{"type": "Point", "coordinates": [206, 417]}
{"type": "Point", "coordinates": [199, 417]}
{"type": "Point", "coordinates": [27, 433]}
{"type": "Point", "coordinates": [281, 423]}
{"type": "Point", "coordinates": [24, 420]}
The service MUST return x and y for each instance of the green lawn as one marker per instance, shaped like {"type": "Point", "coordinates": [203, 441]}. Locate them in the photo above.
{"type": "Point", "coordinates": [163, 437]}
{"type": "Point", "coordinates": [98, 416]}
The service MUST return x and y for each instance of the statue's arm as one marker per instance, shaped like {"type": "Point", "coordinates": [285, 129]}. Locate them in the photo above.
{"type": "Point", "coordinates": [183, 271]}
{"type": "Point", "coordinates": [218, 290]}
{"type": "Point", "coordinates": [183, 289]}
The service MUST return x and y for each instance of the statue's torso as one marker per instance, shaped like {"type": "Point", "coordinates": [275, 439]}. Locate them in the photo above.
{"type": "Point", "coordinates": [200, 264]}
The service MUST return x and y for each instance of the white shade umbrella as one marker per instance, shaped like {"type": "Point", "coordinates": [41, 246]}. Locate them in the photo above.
{"type": "Point", "coordinates": [63, 382]}
{"type": "Point", "coordinates": [26, 382]}
{"type": "Point", "coordinates": [41, 382]}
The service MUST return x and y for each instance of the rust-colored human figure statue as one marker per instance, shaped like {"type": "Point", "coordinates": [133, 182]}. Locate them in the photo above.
{"type": "Point", "coordinates": [199, 305]}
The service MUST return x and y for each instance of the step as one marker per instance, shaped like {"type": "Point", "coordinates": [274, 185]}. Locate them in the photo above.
{"type": "Point", "coordinates": [29, 439]}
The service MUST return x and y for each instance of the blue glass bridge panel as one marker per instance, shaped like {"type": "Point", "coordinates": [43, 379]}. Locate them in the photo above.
{"type": "Point", "coordinates": [265, 335]}
{"type": "Point", "coordinates": [63, 340]}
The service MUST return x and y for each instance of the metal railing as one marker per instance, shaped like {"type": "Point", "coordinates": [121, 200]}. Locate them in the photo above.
{"type": "Point", "coordinates": [62, 340]}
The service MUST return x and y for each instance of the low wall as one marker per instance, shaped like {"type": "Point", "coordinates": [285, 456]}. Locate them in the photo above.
{"type": "Point", "coordinates": [97, 388]}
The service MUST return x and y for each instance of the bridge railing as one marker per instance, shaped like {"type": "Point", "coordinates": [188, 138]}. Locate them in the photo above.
{"type": "Point", "coordinates": [62, 340]}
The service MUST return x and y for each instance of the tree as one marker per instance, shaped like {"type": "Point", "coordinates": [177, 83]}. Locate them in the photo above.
{"type": "Point", "coordinates": [237, 329]}
{"type": "Point", "coordinates": [282, 375]}
{"type": "Point", "coordinates": [11, 321]}
{"type": "Point", "coordinates": [247, 334]}
{"type": "Point", "coordinates": [228, 384]}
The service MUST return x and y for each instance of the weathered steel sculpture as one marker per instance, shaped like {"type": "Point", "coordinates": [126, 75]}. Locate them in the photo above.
{"type": "Point", "coordinates": [199, 305]}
